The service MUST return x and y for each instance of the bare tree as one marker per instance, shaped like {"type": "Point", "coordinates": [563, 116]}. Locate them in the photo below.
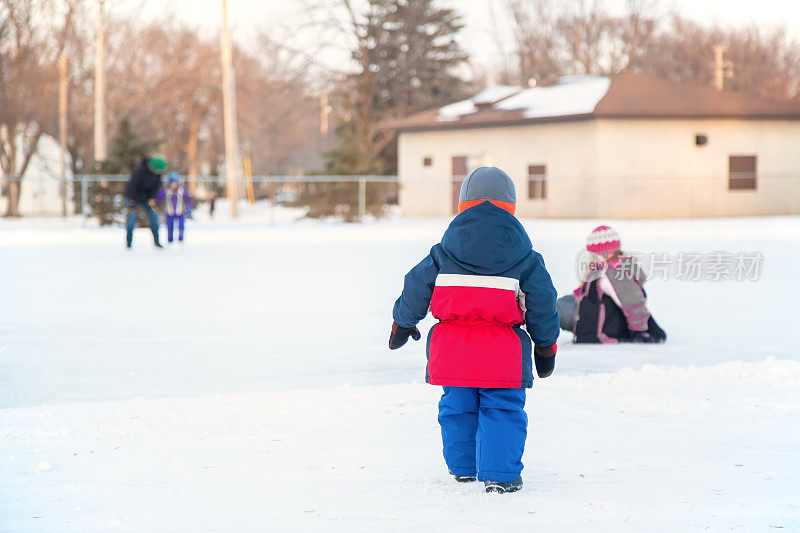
{"type": "Point", "coordinates": [553, 39]}
{"type": "Point", "coordinates": [163, 79]}
{"type": "Point", "coordinates": [634, 32]}
{"type": "Point", "coordinates": [30, 44]}
{"type": "Point", "coordinates": [760, 62]}
{"type": "Point", "coordinates": [167, 86]}
{"type": "Point", "coordinates": [536, 36]}
{"type": "Point", "coordinates": [588, 33]}
{"type": "Point", "coordinates": [278, 113]}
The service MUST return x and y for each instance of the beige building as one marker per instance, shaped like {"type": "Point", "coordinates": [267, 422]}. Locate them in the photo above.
{"type": "Point", "coordinates": [630, 146]}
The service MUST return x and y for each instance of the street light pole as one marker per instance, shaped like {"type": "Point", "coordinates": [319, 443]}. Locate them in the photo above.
{"type": "Point", "coordinates": [228, 108]}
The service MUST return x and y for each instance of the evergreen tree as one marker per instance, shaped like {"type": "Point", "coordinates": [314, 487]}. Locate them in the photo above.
{"type": "Point", "coordinates": [350, 156]}
{"type": "Point", "coordinates": [106, 198]}
{"type": "Point", "coordinates": [408, 61]}
{"type": "Point", "coordinates": [127, 150]}
{"type": "Point", "coordinates": [417, 58]}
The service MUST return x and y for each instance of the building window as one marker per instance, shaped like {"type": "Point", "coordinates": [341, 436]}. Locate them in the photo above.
{"type": "Point", "coordinates": [742, 172]}
{"type": "Point", "coordinates": [427, 161]}
{"type": "Point", "coordinates": [537, 182]}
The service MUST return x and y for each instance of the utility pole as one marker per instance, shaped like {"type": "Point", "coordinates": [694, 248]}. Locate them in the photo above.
{"type": "Point", "coordinates": [248, 178]}
{"type": "Point", "coordinates": [228, 108]}
{"type": "Point", "coordinates": [719, 67]}
{"type": "Point", "coordinates": [324, 112]}
{"type": "Point", "coordinates": [62, 127]}
{"type": "Point", "coordinates": [100, 149]}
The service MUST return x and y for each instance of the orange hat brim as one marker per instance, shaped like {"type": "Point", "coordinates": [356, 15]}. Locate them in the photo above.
{"type": "Point", "coordinates": [508, 206]}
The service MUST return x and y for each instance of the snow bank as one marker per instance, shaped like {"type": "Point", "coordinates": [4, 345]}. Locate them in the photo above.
{"type": "Point", "coordinates": [662, 448]}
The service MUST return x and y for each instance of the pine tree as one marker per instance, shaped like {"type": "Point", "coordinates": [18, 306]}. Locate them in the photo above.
{"type": "Point", "coordinates": [350, 156]}
{"type": "Point", "coordinates": [418, 58]}
{"type": "Point", "coordinates": [127, 150]}
{"type": "Point", "coordinates": [408, 61]}
{"type": "Point", "coordinates": [106, 198]}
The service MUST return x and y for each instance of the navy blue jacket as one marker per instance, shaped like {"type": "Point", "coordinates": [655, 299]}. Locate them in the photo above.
{"type": "Point", "coordinates": [144, 183]}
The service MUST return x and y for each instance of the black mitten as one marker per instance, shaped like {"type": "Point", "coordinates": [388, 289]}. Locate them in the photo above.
{"type": "Point", "coordinates": [655, 331]}
{"type": "Point", "coordinates": [643, 337]}
{"type": "Point", "coordinates": [400, 335]}
{"type": "Point", "coordinates": [545, 359]}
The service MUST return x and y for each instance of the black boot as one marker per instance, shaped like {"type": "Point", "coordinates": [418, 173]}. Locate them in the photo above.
{"type": "Point", "coordinates": [502, 488]}
{"type": "Point", "coordinates": [464, 479]}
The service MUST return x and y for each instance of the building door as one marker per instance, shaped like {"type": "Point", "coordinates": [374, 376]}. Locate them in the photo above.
{"type": "Point", "coordinates": [459, 172]}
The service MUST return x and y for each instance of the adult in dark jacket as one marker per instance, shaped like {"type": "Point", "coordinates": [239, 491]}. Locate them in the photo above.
{"type": "Point", "coordinates": [141, 191]}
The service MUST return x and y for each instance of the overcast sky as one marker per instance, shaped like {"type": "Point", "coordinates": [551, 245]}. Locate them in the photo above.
{"type": "Point", "coordinates": [482, 17]}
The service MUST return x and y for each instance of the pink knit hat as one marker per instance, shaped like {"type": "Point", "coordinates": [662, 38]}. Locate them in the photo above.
{"type": "Point", "coordinates": [603, 239]}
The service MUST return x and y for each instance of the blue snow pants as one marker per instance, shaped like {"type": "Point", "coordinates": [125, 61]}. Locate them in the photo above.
{"type": "Point", "coordinates": [171, 219]}
{"type": "Point", "coordinates": [130, 222]}
{"type": "Point", "coordinates": [483, 432]}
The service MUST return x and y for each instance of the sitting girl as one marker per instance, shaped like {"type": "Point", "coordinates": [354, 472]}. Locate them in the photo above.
{"type": "Point", "coordinates": [610, 302]}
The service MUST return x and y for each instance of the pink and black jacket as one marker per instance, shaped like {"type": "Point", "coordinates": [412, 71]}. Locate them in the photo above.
{"type": "Point", "coordinates": [613, 305]}
{"type": "Point", "coordinates": [483, 282]}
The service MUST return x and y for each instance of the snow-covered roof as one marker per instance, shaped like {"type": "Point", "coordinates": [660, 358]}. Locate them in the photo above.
{"type": "Point", "coordinates": [490, 95]}
{"type": "Point", "coordinates": [455, 110]}
{"type": "Point", "coordinates": [572, 95]}
{"type": "Point", "coordinates": [625, 95]}
{"type": "Point", "coordinates": [495, 93]}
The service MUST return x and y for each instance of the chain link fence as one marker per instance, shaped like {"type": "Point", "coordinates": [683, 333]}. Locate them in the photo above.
{"type": "Point", "coordinates": [349, 198]}
{"type": "Point", "coordinates": [352, 198]}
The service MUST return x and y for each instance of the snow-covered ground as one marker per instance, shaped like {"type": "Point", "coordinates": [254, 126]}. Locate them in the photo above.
{"type": "Point", "coordinates": [242, 383]}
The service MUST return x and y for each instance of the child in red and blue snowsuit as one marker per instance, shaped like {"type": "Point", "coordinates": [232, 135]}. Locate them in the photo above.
{"type": "Point", "coordinates": [482, 282]}
{"type": "Point", "coordinates": [177, 205]}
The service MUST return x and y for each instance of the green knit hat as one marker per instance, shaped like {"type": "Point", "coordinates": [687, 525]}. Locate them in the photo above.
{"type": "Point", "coordinates": [157, 165]}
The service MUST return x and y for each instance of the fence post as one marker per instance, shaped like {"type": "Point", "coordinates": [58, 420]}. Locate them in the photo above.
{"type": "Point", "coordinates": [84, 196]}
{"type": "Point", "coordinates": [362, 199]}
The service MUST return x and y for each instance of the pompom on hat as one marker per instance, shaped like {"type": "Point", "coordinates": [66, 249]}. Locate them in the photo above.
{"type": "Point", "coordinates": [603, 240]}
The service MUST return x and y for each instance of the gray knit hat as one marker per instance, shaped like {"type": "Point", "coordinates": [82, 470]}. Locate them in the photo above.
{"type": "Point", "coordinates": [488, 183]}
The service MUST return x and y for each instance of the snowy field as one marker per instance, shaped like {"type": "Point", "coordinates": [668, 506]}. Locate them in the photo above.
{"type": "Point", "coordinates": [242, 383]}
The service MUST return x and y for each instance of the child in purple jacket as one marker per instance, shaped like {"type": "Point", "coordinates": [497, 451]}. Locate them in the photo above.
{"type": "Point", "coordinates": [177, 205]}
